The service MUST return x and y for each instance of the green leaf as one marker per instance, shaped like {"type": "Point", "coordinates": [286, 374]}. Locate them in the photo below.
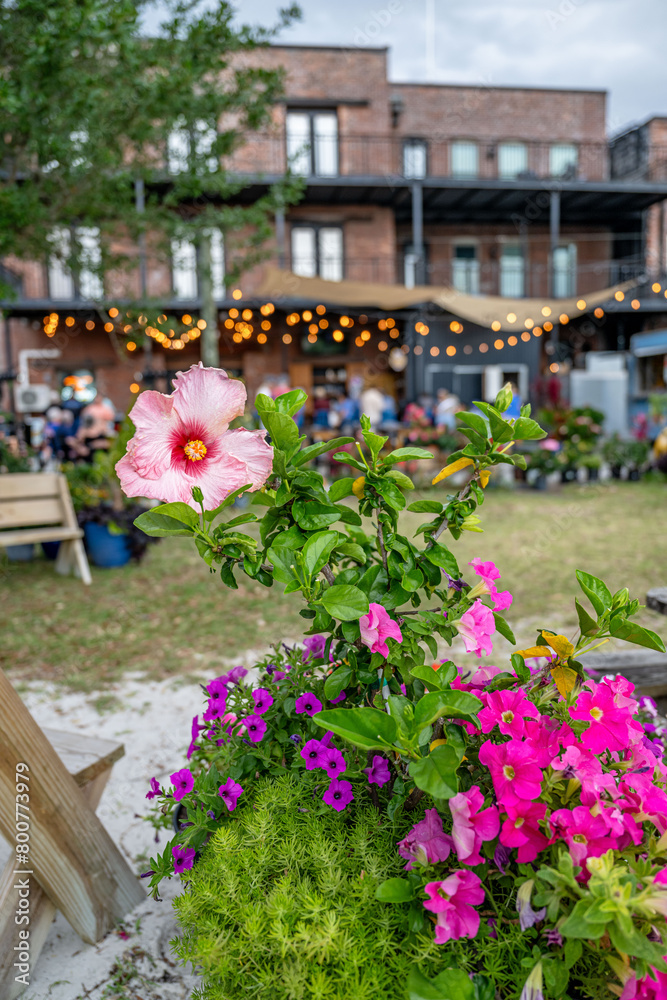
{"type": "Point", "coordinates": [340, 489]}
{"type": "Point", "coordinates": [395, 890]}
{"type": "Point", "coordinates": [158, 525]}
{"type": "Point", "coordinates": [347, 515]}
{"type": "Point", "coordinates": [345, 602]}
{"type": "Point", "coordinates": [241, 519]}
{"type": "Point", "coordinates": [440, 556]}
{"type": "Point", "coordinates": [312, 516]}
{"type": "Point", "coordinates": [504, 628]}
{"type": "Point", "coordinates": [290, 402]}
{"type": "Point", "coordinates": [452, 984]}
{"type": "Point", "coordinates": [352, 551]}
{"type": "Point", "coordinates": [390, 493]}
{"type": "Point", "coordinates": [526, 429]}
{"type": "Point", "coordinates": [436, 774]}
{"type": "Point", "coordinates": [412, 580]}
{"type": "Point", "coordinates": [407, 455]}
{"type": "Point", "coordinates": [579, 923]}
{"type": "Point", "coordinates": [264, 404]}
{"type": "Point", "coordinates": [572, 952]}
{"type": "Point", "coordinates": [284, 432]}
{"type": "Point", "coordinates": [587, 624]}
{"type": "Point", "coordinates": [400, 479]}
{"type": "Point", "coordinates": [317, 550]}
{"type": "Point", "coordinates": [501, 430]}
{"type": "Point", "coordinates": [426, 507]}
{"type": "Point", "coordinates": [231, 498]}
{"type": "Point", "coordinates": [595, 590]}
{"type": "Point", "coordinates": [315, 450]}
{"type": "Point", "coordinates": [448, 703]}
{"type": "Point", "coordinates": [336, 681]}
{"type": "Point", "coordinates": [375, 443]}
{"type": "Point", "coordinates": [477, 422]}
{"type": "Point", "coordinates": [366, 728]}
{"type": "Point", "coordinates": [630, 632]}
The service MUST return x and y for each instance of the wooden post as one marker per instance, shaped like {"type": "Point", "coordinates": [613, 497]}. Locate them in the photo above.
{"type": "Point", "coordinates": [71, 854]}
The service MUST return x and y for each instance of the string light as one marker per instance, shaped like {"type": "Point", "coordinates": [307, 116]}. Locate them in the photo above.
{"type": "Point", "coordinates": [390, 322]}
{"type": "Point", "coordinates": [359, 342]}
{"type": "Point", "coordinates": [113, 312]}
{"type": "Point", "coordinates": [201, 323]}
{"type": "Point", "coordinates": [108, 327]}
{"type": "Point", "coordinates": [383, 345]}
{"type": "Point", "coordinates": [265, 326]}
{"type": "Point", "coordinates": [529, 323]}
{"type": "Point", "coordinates": [599, 313]}
{"type": "Point", "coordinates": [546, 310]}
{"type": "Point", "coordinates": [338, 336]}
{"type": "Point", "coordinates": [261, 338]}
{"type": "Point", "coordinates": [324, 324]}
{"type": "Point", "coordinates": [131, 346]}
{"type": "Point", "coordinates": [134, 387]}
{"type": "Point", "coordinates": [619, 296]}
{"type": "Point", "coordinates": [537, 332]}
{"type": "Point", "coordinates": [483, 348]}
{"type": "Point", "coordinates": [90, 325]}
{"type": "Point", "coordinates": [312, 338]}
{"type": "Point", "coordinates": [435, 351]}
{"type": "Point", "coordinates": [451, 351]}
{"type": "Point", "coordinates": [581, 304]}
{"type": "Point", "coordinates": [418, 350]}
{"type": "Point", "coordinates": [247, 314]}
{"type": "Point", "coordinates": [635, 303]}
{"type": "Point", "coordinates": [548, 326]}
{"type": "Point", "coordinates": [554, 367]}
{"type": "Point", "coordinates": [229, 323]}
{"type": "Point", "coordinates": [499, 344]}
{"type": "Point", "coordinates": [307, 316]}
{"type": "Point", "coordinates": [511, 317]}
{"type": "Point", "coordinates": [394, 333]}
{"type": "Point", "coordinates": [234, 313]}
{"type": "Point", "coordinates": [512, 341]}
{"type": "Point", "coordinates": [467, 349]}
{"type": "Point", "coordinates": [525, 336]}
{"type": "Point", "coordinates": [69, 321]}
{"type": "Point", "coordinates": [564, 319]}
{"type": "Point", "coordinates": [382, 325]}
{"type": "Point", "coordinates": [495, 326]}
{"type": "Point", "coordinates": [237, 293]}
{"type": "Point", "coordinates": [287, 338]}
{"type": "Point", "coordinates": [320, 310]}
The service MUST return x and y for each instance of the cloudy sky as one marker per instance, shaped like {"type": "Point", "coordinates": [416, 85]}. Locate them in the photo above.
{"type": "Point", "coordinates": [617, 45]}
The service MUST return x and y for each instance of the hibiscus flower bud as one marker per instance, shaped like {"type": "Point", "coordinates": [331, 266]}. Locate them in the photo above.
{"type": "Point", "coordinates": [504, 398]}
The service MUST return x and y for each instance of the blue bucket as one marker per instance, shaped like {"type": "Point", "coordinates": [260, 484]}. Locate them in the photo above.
{"type": "Point", "coordinates": [51, 549]}
{"type": "Point", "coordinates": [20, 553]}
{"type": "Point", "coordinates": [105, 549]}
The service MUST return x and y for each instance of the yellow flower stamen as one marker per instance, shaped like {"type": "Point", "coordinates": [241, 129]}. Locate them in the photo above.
{"type": "Point", "coordinates": [195, 450]}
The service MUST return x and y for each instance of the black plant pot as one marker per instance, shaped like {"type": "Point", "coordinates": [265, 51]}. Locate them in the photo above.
{"type": "Point", "coordinates": [593, 475]}
{"type": "Point", "coordinates": [616, 471]}
{"type": "Point", "coordinates": [568, 476]}
{"type": "Point", "coordinates": [634, 475]}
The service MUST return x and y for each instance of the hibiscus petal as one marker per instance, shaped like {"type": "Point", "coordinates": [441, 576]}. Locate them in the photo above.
{"type": "Point", "coordinates": [155, 423]}
{"type": "Point", "coordinates": [208, 394]}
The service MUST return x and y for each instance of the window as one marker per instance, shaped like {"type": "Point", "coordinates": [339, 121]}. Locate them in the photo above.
{"type": "Point", "coordinates": [411, 261]}
{"type": "Point", "coordinates": [565, 271]}
{"type": "Point", "coordinates": [62, 282]}
{"type": "Point", "coordinates": [414, 158]}
{"type": "Point", "coordinates": [184, 269]}
{"type": "Point", "coordinates": [563, 160]}
{"type": "Point", "coordinates": [512, 271]}
{"type": "Point", "coordinates": [465, 269]}
{"type": "Point", "coordinates": [512, 159]}
{"type": "Point", "coordinates": [312, 143]}
{"type": "Point", "coordinates": [189, 146]}
{"type": "Point", "coordinates": [217, 263]}
{"type": "Point", "coordinates": [465, 159]}
{"type": "Point", "coordinates": [317, 251]}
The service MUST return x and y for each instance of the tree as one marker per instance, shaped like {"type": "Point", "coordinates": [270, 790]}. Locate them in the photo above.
{"type": "Point", "coordinates": [92, 106]}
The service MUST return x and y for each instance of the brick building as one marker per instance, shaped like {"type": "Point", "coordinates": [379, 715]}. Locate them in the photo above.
{"type": "Point", "coordinates": [499, 193]}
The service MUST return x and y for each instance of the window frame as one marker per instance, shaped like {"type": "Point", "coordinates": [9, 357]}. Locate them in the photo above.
{"type": "Point", "coordinates": [516, 246]}
{"type": "Point", "coordinates": [473, 244]}
{"type": "Point", "coordinates": [312, 114]}
{"type": "Point", "coordinates": [463, 142]}
{"type": "Point", "coordinates": [562, 145]}
{"type": "Point", "coordinates": [517, 143]}
{"type": "Point", "coordinates": [316, 228]}
{"type": "Point", "coordinates": [415, 141]}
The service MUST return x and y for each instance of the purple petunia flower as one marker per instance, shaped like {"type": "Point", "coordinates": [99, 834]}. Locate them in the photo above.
{"type": "Point", "coordinates": [279, 675]}
{"type": "Point", "coordinates": [501, 857]}
{"type": "Point", "coordinates": [183, 782]}
{"type": "Point", "coordinates": [233, 676]}
{"type": "Point", "coordinates": [184, 858]}
{"type": "Point", "coordinates": [333, 762]}
{"type": "Point", "coordinates": [210, 814]}
{"type": "Point", "coordinates": [194, 735]}
{"type": "Point", "coordinates": [312, 753]}
{"type": "Point", "coordinates": [230, 792]}
{"type": "Point", "coordinates": [554, 938]}
{"type": "Point", "coordinates": [255, 727]}
{"type": "Point", "coordinates": [341, 697]}
{"type": "Point", "coordinates": [295, 738]}
{"type": "Point", "coordinates": [215, 709]}
{"type": "Point", "coordinates": [217, 690]}
{"type": "Point", "coordinates": [314, 647]}
{"type": "Point", "coordinates": [378, 773]}
{"type": "Point", "coordinates": [327, 738]}
{"type": "Point", "coordinates": [453, 584]}
{"type": "Point", "coordinates": [308, 703]}
{"type": "Point", "coordinates": [338, 794]}
{"type": "Point", "coordinates": [262, 699]}
{"type": "Point", "coordinates": [155, 789]}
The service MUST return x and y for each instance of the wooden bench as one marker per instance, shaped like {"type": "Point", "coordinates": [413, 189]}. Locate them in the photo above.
{"type": "Point", "coordinates": [73, 865]}
{"type": "Point", "coordinates": [37, 507]}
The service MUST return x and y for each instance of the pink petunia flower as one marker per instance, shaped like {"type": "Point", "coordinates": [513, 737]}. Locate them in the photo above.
{"type": "Point", "coordinates": [230, 793]}
{"type": "Point", "coordinates": [649, 987]}
{"type": "Point", "coordinates": [611, 727]}
{"type": "Point", "coordinates": [515, 775]}
{"type": "Point", "coordinates": [338, 794]}
{"type": "Point", "coordinates": [489, 573]}
{"type": "Point", "coordinates": [521, 830]}
{"type": "Point", "coordinates": [183, 782]}
{"type": "Point", "coordinates": [453, 900]}
{"type": "Point", "coordinates": [509, 710]}
{"type": "Point", "coordinates": [472, 825]}
{"type": "Point", "coordinates": [263, 700]}
{"type": "Point", "coordinates": [547, 737]}
{"type": "Point", "coordinates": [476, 627]}
{"type": "Point", "coordinates": [586, 836]}
{"type": "Point", "coordinates": [183, 440]}
{"type": "Point", "coordinates": [426, 842]}
{"type": "Point", "coordinates": [576, 762]}
{"type": "Point", "coordinates": [376, 627]}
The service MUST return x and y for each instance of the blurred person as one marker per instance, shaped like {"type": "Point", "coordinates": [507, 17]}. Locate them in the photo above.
{"type": "Point", "coordinates": [372, 404]}
{"type": "Point", "coordinates": [513, 412]}
{"type": "Point", "coordinates": [445, 409]}
{"type": "Point", "coordinates": [94, 432]}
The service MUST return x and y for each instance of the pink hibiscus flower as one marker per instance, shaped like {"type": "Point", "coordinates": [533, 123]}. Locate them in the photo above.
{"type": "Point", "coordinates": [426, 843]}
{"type": "Point", "coordinates": [489, 573]}
{"type": "Point", "coordinates": [586, 836]}
{"type": "Point", "coordinates": [453, 900]}
{"type": "Point", "coordinates": [509, 710]}
{"type": "Point", "coordinates": [611, 726]}
{"type": "Point", "coordinates": [476, 627]}
{"type": "Point", "coordinates": [183, 440]}
{"type": "Point", "coordinates": [515, 775]}
{"type": "Point", "coordinates": [521, 830]}
{"type": "Point", "coordinates": [376, 627]}
{"type": "Point", "coordinates": [472, 825]}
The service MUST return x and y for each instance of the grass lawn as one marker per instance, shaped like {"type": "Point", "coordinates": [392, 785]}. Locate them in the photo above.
{"type": "Point", "coordinates": [167, 616]}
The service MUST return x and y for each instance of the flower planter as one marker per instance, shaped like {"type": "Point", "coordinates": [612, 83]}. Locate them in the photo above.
{"type": "Point", "coordinates": [20, 553]}
{"type": "Point", "coordinates": [51, 549]}
{"type": "Point", "coordinates": [104, 548]}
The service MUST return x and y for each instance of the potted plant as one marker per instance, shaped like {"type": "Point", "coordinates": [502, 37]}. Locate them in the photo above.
{"type": "Point", "coordinates": [613, 452]}
{"type": "Point", "coordinates": [591, 462]}
{"type": "Point", "coordinates": [637, 453]}
{"type": "Point", "coordinates": [370, 820]}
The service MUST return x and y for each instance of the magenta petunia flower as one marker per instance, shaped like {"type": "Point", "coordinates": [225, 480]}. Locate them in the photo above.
{"type": "Point", "coordinates": [196, 729]}
{"type": "Point", "coordinates": [336, 701]}
{"type": "Point", "coordinates": [476, 627]}
{"type": "Point", "coordinates": [215, 709]}
{"type": "Point", "coordinates": [183, 782]}
{"type": "Point", "coordinates": [453, 900]}
{"type": "Point", "coordinates": [521, 830]}
{"type": "Point", "coordinates": [508, 710]}
{"type": "Point", "coordinates": [255, 727]}
{"type": "Point", "coordinates": [313, 647]}
{"type": "Point", "coordinates": [611, 726]}
{"type": "Point", "coordinates": [333, 762]}
{"type": "Point", "coordinates": [155, 788]}
{"type": "Point", "coordinates": [587, 836]}
{"type": "Point", "coordinates": [378, 773]}
{"type": "Point", "coordinates": [183, 440]}
{"type": "Point", "coordinates": [376, 627]}
{"type": "Point", "coordinates": [515, 775]}
{"type": "Point", "coordinates": [184, 858]}
{"type": "Point", "coordinates": [263, 700]}
{"type": "Point", "coordinates": [234, 675]}
{"type": "Point", "coordinates": [338, 794]}
{"type": "Point", "coordinates": [426, 842]}
{"type": "Point", "coordinates": [307, 703]}
{"type": "Point", "coordinates": [230, 792]}
{"type": "Point", "coordinates": [312, 752]}
{"type": "Point", "coordinates": [489, 573]}
{"type": "Point", "coordinates": [547, 737]}
{"type": "Point", "coordinates": [472, 825]}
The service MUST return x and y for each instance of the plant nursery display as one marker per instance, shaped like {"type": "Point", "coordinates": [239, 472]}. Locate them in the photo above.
{"type": "Point", "coordinates": [358, 816]}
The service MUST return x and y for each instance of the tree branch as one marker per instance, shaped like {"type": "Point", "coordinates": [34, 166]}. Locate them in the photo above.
{"type": "Point", "coordinates": [383, 551]}
{"type": "Point", "coordinates": [328, 575]}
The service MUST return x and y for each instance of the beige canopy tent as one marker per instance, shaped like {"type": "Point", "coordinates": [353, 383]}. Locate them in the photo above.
{"type": "Point", "coordinates": [484, 310]}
